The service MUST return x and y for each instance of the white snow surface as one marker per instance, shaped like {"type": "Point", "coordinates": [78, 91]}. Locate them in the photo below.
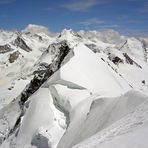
{"type": "Point", "coordinates": [88, 71]}
{"type": "Point", "coordinates": [130, 131]}
{"type": "Point", "coordinates": [37, 120]}
{"type": "Point", "coordinates": [92, 101]}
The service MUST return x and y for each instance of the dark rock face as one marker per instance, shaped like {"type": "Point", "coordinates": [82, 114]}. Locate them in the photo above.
{"type": "Point", "coordinates": [40, 141]}
{"type": "Point", "coordinates": [19, 42]}
{"type": "Point", "coordinates": [123, 45]}
{"type": "Point", "coordinates": [5, 48]}
{"type": "Point", "coordinates": [14, 56]}
{"type": "Point", "coordinates": [143, 81]}
{"type": "Point", "coordinates": [43, 74]}
{"type": "Point", "coordinates": [116, 60]}
{"type": "Point", "coordinates": [93, 47]}
{"type": "Point", "coordinates": [145, 47]}
{"type": "Point", "coordinates": [130, 61]}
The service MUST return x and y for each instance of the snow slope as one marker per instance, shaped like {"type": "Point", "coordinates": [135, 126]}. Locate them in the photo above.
{"type": "Point", "coordinates": [36, 120]}
{"type": "Point", "coordinates": [88, 71]}
{"type": "Point", "coordinates": [130, 131]}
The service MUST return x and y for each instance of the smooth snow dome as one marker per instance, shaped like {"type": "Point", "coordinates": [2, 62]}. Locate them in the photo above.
{"type": "Point", "coordinates": [90, 72]}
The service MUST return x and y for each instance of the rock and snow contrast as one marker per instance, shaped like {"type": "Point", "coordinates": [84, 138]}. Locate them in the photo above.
{"type": "Point", "coordinates": [85, 89]}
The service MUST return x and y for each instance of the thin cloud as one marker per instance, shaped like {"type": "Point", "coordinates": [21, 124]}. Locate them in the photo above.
{"type": "Point", "coordinates": [80, 5]}
{"type": "Point", "coordinates": [92, 21]}
{"type": "Point", "coordinates": [7, 1]}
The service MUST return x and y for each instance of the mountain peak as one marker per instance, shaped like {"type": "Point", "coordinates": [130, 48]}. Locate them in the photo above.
{"type": "Point", "coordinates": [67, 33]}
{"type": "Point", "coordinates": [70, 36]}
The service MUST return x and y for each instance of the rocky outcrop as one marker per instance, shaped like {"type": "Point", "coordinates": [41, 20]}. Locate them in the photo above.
{"type": "Point", "coordinates": [130, 61]}
{"type": "Point", "coordinates": [19, 42]}
{"type": "Point", "coordinates": [116, 60]}
{"type": "Point", "coordinates": [40, 141]}
{"type": "Point", "coordinates": [14, 56]}
{"type": "Point", "coordinates": [5, 48]}
{"type": "Point", "coordinates": [43, 74]}
{"type": "Point", "coordinates": [125, 43]}
{"type": "Point", "coordinates": [145, 50]}
{"type": "Point", "coordinates": [93, 47]}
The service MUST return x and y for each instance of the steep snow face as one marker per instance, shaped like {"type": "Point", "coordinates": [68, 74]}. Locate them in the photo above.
{"type": "Point", "coordinates": [90, 72]}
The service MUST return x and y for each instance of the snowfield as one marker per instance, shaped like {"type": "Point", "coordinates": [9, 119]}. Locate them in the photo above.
{"type": "Point", "coordinates": [85, 89]}
{"type": "Point", "coordinates": [130, 131]}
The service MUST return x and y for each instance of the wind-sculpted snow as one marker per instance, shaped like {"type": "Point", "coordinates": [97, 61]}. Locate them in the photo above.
{"type": "Point", "coordinates": [42, 118]}
{"type": "Point", "coordinates": [72, 89]}
{"type": "Point", "coordinates": [130, 131]}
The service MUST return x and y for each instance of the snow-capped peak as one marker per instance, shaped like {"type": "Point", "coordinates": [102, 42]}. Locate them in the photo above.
{"type": "Point", "coordinates": [70, 36]}
{"type": "Point", "coordinates": [68, 33]}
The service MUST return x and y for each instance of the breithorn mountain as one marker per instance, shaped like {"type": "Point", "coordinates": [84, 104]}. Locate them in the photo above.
{"type": "Point", "coordinates": [73, 89]}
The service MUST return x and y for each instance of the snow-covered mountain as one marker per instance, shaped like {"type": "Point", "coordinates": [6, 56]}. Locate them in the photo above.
{"type": "Point", "coordinates": [73, 89]}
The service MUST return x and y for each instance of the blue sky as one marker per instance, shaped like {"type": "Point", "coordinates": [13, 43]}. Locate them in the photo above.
{"type": "Point", "coordinates": [126, 16]}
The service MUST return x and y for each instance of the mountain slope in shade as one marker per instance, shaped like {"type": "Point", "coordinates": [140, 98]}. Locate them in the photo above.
{"type": "Point", "coordinates": [58, 90]}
